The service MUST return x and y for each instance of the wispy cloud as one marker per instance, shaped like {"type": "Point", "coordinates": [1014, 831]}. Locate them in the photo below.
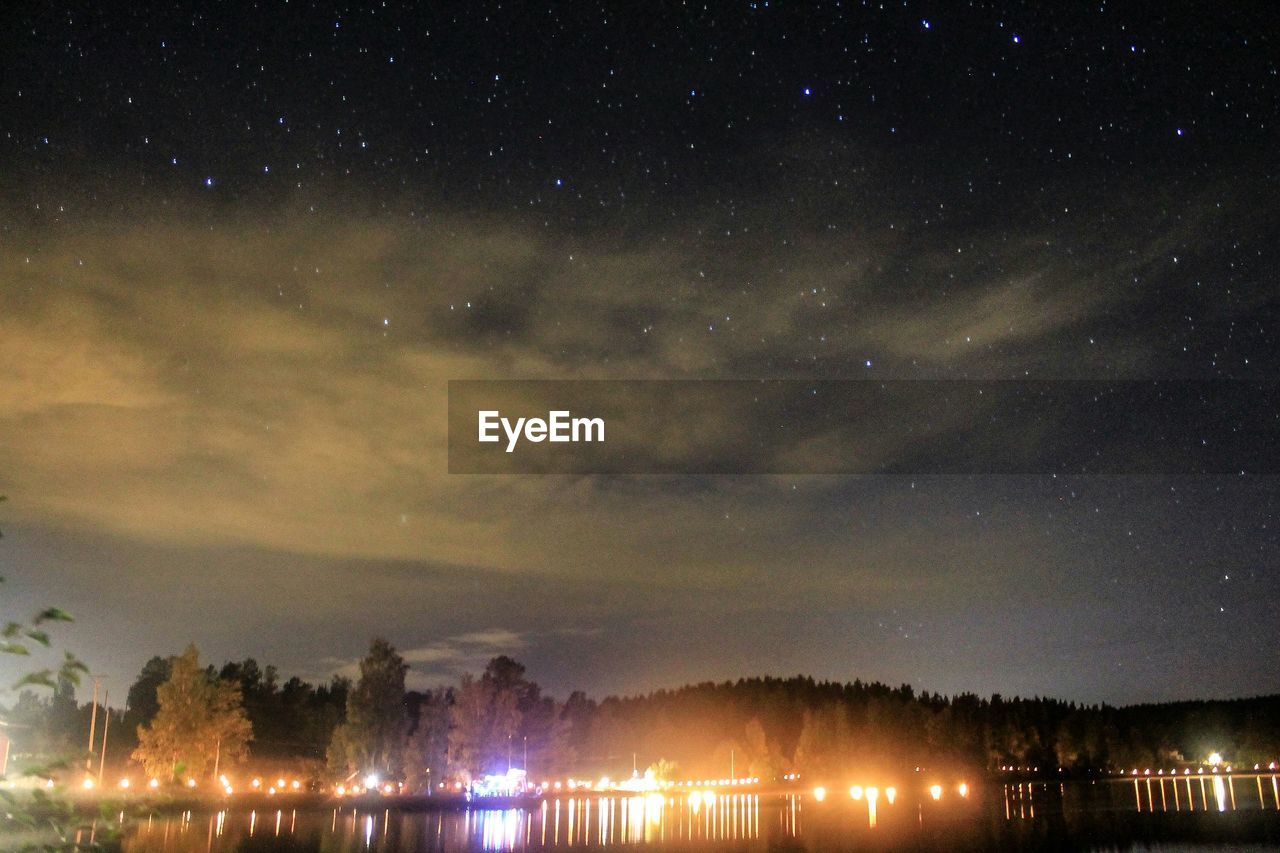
{"type": "Point", "coordinates": [443, 660]}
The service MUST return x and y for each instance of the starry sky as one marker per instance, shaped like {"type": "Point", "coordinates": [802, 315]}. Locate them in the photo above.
{"type": "Point", "coordinates": [244, 246]}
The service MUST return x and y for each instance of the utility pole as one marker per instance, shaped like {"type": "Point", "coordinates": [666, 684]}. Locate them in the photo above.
{"type": "Point", "coordinates": [731, 764]}
{"type": "Point", "coordinates": [93, 725]}
{"type": "Point", "coordinates": [106, 723]}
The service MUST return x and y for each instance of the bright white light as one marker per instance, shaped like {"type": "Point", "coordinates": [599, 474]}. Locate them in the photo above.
{"type": "Point", "coordinates": [370, 781]}
{"type": "Point", "coordinates": [819, 793]}
{"type": "Point", "coordinates": [855, 792]}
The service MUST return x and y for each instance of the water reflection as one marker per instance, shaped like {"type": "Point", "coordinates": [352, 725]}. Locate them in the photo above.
{"type": "Point", "coordinates": [598, 822]}
{"type": "Point", "coordinates": [1150, 794]}
{"type": "Point", "coordinates": [996, 817]}
{"type": "Point", "coordinates": [1206, 793]}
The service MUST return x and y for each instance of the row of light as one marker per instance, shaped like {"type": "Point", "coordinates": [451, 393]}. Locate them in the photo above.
{"type": "Point", "coordinates": [1186, 771]}
{"type": "Point", "coordinates": [281, 786]}
{"type": "Point", "coordinates": [857, 792]}
{"type": "Point", "coordinates": [935, 791]}
{"type": "Point", "coordinates": [871, 794]}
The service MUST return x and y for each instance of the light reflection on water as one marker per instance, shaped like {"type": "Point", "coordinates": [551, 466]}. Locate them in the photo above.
{"type": "Point", "coordinates": [604, 821]}
{"type": "Point", "coordinates": [1206, 793]}
{"type": "Point", "coordinates": [746, 821]}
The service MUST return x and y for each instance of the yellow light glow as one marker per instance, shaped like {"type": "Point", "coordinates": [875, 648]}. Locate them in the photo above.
{"type": "Point", "coordinates": [855, 792]}
{"type": "Point", "coordinates": [257, 783]}
{"type": "Point", "coordinates": [124, 783]}
{"type": "Point", "coordinates": [819, 793]}
{"type": "Point", "coordinates": [295, 784]}
{"type": "Point", "coordinates": [191, 783]}
{"type": "Point", "coordinates": [280, 783]}
{"type": "Point", "coordinates": [935, 791]}
{"type": "Point", "coordinates": [87, 784]}
{"type": "Point", "coordinates": [154, 783]}
{"type": "Point", "coordinates": [890, 794]}
{"type": "Point", "coordinates": [1215, 758]}
{"type": "Point", "coordinates": [873, 794]}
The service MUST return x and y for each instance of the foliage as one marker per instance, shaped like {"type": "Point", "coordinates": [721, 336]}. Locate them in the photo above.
{"type": "Point", "coordinates": [427, 751]}
{"type": "Point", "coordinates": [501, 719]}
{"type": "Point", "coordinates": [43, 816]}
{"type": "Point", "coordinates": [200, 723]}
{"type": "Point", "coordinates": [372, 739]}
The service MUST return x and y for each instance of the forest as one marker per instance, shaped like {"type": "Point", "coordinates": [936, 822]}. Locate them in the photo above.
{"type": "Point", "coordinates": [183, 719]}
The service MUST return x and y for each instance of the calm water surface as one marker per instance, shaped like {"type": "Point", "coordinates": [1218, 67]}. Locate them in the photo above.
{"type": "Point", "coordinates": [1186, 814]}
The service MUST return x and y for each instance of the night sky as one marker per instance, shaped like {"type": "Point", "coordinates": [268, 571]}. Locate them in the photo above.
{"type": "Point", "coordinates": [243, 247]}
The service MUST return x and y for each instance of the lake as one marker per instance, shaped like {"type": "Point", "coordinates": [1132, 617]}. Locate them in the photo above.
{"type": "Point", "coordinates": [1197, 813]}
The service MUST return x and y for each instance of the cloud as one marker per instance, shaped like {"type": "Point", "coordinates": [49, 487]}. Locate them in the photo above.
{"type": "Point", "coordinates": [444, 660]}
{"type": "Point", "coordinates": [278, 383]}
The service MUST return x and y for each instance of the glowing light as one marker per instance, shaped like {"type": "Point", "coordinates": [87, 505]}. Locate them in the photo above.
{"type": "Point", "coordinates": [819, 793]}
{"type": "Point", "coordinates": [257, 783]}
{"type": "Point", "coordinates": [341, 790]}
{"type": "Point", "coordinates": [890, 794]}
{"type": "Point", "coordinates": [295, 784]}
{"type": "Point", "coordinates": [963, 789]}
{"type": "Point", "coordinates": [935, 791]}
{"type": "Point", "coordinates": [855, 792]}
{"type": "Point", "coordinates": [1215, 758]}
{"type": "Point", "coordinates": [191, 783]}
{"type": "Point", "coordinates": [709, 798]}
{"type": "Point", "coordinates": [873, 794]}
{"type": "Point", "coordinates": [124, 783]}
{"type": "Point", "coordinates": [370, 781]}
{"type": "Point", "coordinates": [154, 783]}
{"type": "Point", "coordinates": [280, 783]}
{"type": "Point", "coordinates": [88, 784]}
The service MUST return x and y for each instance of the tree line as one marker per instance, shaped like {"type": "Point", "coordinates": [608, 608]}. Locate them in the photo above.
{"type": "Point", "coordinates": [184, 720]}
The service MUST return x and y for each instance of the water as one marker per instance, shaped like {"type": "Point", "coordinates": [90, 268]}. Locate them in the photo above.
{"type": "Point", "coordinates": [1183, 814]}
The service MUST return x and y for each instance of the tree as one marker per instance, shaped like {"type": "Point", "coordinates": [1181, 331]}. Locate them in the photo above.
{"type": "Point", "coordinates": [426, 754]}
{"type": "Point", "coordinates": [142, 700]}
{"type": "Point", "coordinates": [372, 739]}
{"type": "Point", "coordinates": [200, 723]}
{"type": "Point", "coordinates": [486, 718]}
